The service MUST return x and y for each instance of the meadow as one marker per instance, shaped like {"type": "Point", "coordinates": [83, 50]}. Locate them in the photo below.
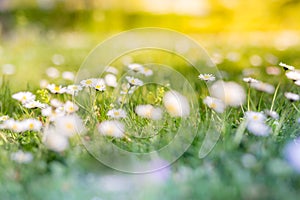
{"type": "Point", "coordinates": [72, 128]}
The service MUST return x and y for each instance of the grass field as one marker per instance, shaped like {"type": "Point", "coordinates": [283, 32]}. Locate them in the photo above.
{"type": "Point", "coordinates": [63, 141]}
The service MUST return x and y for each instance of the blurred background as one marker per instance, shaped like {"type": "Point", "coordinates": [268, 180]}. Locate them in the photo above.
{"type": "Point", "coordinates": [38, 34]}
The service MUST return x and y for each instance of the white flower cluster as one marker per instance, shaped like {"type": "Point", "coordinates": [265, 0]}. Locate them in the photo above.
{"type": "Point", "coordinates": [21, 126]}
{"type": "Point", "coordinates": [28, 100]}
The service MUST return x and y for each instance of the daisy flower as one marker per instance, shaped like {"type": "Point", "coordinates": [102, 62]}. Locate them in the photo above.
{"type": "Point", "coordinates": [134, 81]}
{"type": "Point", "coordinates": [56, 89]}
{"type": "Point", "coordinates": [272, 114]}
{"type": "Point", "coordinates": [13, 125]}
{"type": "Point", "coordinates": [99, 84]}
{"type": "Point", "coordinates": [252, 116]}
{"type": "Point", "coordinates": [4, 118]}
{"type": "Point", "coordinates": [88, 82]}
{"type": "Point", "coordinates": [135, 67]}
{"type": "Point", "coordinates": [21, 157]}
{"type": "Point", "coordinates": [293, 75]}
{"type": "Point", "coordinates": [73, 89]}
{"type": "Point", "coordinates": [34, 104]}
{"type": "Point", "coordinates": [32, 124]}
{"type": "Point", "coordinates": [286, 67]}
{"type": "Point", "coordinates": [250, 80]}
{"type": "Point", "coordinates": [264, 87]}
{"type": "Point", "coordinates": [207, 77]}
{"type": "Point", "coordinates": [70, 107]}
{"type": "Point", "coordinates": [24, 97]}
{"type": "Point", "coordinates": [256, 123]}
{"type": "Point", "coordinates": [56, 103]}
{"type": "Point", "coordinates": [111, 80]}
{"type": "Point", "coordinates": [148, 111]}
{"type": "Point", "coordinates": [176, 104]}
{"type": "Point", "coordinates": [292, 96]}
{"type": "Point", "coordinates": [116, 113]}
{"type": "Point", "coordinates": [112, 70]}
{"type": "Point", "coordinates": [52, 114]}
{"type": "Point", "coordinates": [68, 75]}
{"type": "Point", "coordinates": [231, 93]}
{"type": "Point", "coordinates": [111, 128]}
{"type": "Point", "coordinates": [127, 89]}
{"type": "Point", "coordinates": [69, 125]}
{"type": "Point", "coordinates": [258, 128]}
{"type": "Point", "coordinates": [215, 104]}
{"type": "Point", "coordinates": [55, 141]}
{"type": "Point", "coordinates": [146, 71]}
{"type": "Point", "coordinates": [292, 152]}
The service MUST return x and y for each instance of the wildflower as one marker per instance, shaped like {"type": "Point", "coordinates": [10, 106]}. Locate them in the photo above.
{"type": "Point", "coordinates": [56, 103]}
{"type": "Point", "coordinates": [70, 107]}
{"type": "Point", "coordinates": [127, 89]}
{"type": "Point", "coordinates": [13, 125]}
{"type": "Point", "coordinates": [148, 111]}
{"type": "Point", "coordinates": [146, 71]}
{"type": "Point", "coordinates": [176, 104]}
{"type": "Point", "coordinates": [134, 81]}
{"type": "Point", "coordinates": [292, 152]}
{"type": "Point", "coordinates": [73, 89]}
{"type": "Point", "coordinates": [250, 80]}
{"type": "Point", "coordinates": [24, 97]}
{"type": "Point", "coordinates": [4, 118]}
{"type": "Point", "coordinates": [272, 114]}
{"type": "Point", "coordinates": [68, 75]}
{"type": "Point", "coordinates": [231, 93]}
{"type": "Point", "coordinates": [88, 82]}
{"type": "Point", "coordinates": [34, 104]}
{"type": "Point", "coordinates": [111, 128]}
{"type": "Point", "coordinates": [135, 67]}
{"type": "Point", "coordinates": [55, 141]}
{"type": "Point", "coordinates": [111, 80]}
{"type": "Point", "coordinates": [207, 77]}
{"type": "Point", "coordinates": [69, 125]}
{"type": "Point", "coordinates": [293, 75]}
{"type": "Point", "coordinates": [215, 104]}
{"type": "Point", "coordinates": [286, 67]}
{"type": "Point", "coordinates": [256, 123]}
{"type": "Point", "coordinates": [99, 84]}
{"type": "Point", "coordinates": [252, 116]}
{"type": "Point", "coordinates": [292, 96]}
{"type": "Point", "coordinates": [52, 114]}
{"type": "Point", "coordinates": [32, 124]}
{"type": "Point", "coordinates": [258, 128]}
{"type": "Point", "coordinates": [116, 113]}
{"type": "Point", "coordinates": [21, 157]}
{"type": "Point", "coordinates": [56, 89]}
{"type": "Point", "coordinates": [112, 70]}
{"type": "Point", "coordinates": [264, 87]}
{"type": "Point", "coordinates": [52, 72]}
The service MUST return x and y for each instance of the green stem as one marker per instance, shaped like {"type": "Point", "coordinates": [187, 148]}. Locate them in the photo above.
{"type": "Point", "coordinates": [274, 97]}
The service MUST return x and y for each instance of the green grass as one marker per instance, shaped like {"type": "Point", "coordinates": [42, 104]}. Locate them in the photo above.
{"type": "Point", "coordinates": [224, 174]}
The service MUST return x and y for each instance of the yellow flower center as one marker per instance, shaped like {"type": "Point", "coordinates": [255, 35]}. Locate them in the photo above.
{"type": "Point", "coordinates": [31, 126]}
{"type": "Point", "coordinates": [110, 130]}
{"type": "Point", "coordinates": [57, 88]}
{"type": "Point", "coordinates": [213, 105]}
{"type": "Point", "coordinates": [88, 82]}
{"type": "Point", "coordinates": [70, 126]}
